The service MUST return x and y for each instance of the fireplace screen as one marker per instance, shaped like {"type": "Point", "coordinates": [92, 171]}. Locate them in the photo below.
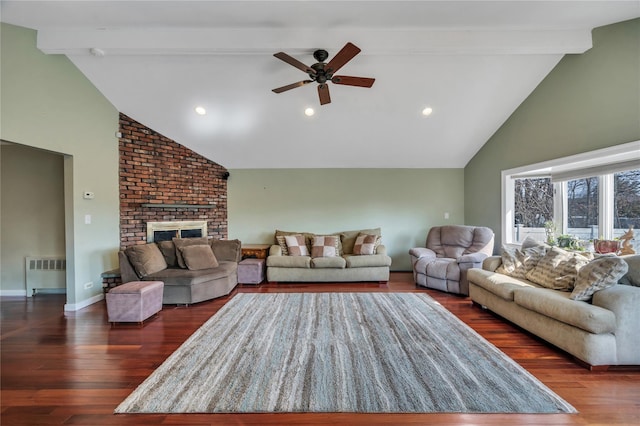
{"type": "Point", "coordinates": [164, 231]}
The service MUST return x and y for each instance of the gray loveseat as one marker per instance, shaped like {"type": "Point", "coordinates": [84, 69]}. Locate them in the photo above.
{"type": "Point", "coordinates": [600, 330]}
{"type": "Point", "coordinates": [343, 266]}
{"type": "Point", "coordinates": [185, 265]}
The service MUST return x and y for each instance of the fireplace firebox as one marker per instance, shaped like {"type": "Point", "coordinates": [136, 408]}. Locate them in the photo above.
{"type": "Point", "coordinates": [164, 231]}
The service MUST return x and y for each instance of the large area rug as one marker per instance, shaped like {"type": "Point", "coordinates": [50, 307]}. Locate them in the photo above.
{"type": "Point", "coordinates": [339, 352]}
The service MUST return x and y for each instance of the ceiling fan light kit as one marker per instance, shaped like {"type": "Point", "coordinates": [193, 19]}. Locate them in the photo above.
{"type": "Point", "coordinates": [322, 72]}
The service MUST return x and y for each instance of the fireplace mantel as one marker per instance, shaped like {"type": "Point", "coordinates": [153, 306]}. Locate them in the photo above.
{"type": "Point", "coordinates": [179, 206]}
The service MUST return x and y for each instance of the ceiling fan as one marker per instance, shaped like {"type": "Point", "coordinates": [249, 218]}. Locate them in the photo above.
{"type": "Point", "coordinates": [322, 72]}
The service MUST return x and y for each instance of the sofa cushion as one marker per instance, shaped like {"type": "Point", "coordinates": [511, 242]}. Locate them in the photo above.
{"type": "Point", "coordinates": [324, 246]}
{"type": "Point", "coordinates": [296, 245]}
{"type": "Point", "coordinates": [230, 250]}
{"type": "Point", "coordinates": [185, 277]}
{"type": "Point", "coordinates": [146, 259]}
{"type": "Point", "coordinates": [168, 250]}
{"type": "Point", "coordinates": [501, 285]}
{"type": "Point", "coordinates": [632, 277]}
{"type": "Point", "coordinates": [600, 273]}
{"type": "Point", "coordinates": [349, 238]}
{"type": "Point", "coordinates": [358, 261]}
{"type": "Point", "coordinates": [453, 241]}
{"type": "Point", "coordinates": [443, 268]}
{"type": "Point", "coordinates": [289, 261]}
{"type": "Point", "coordinates": [198, 257]}
{"type": "Point", "coordinates": [365, 244]}
{"type": "Point", "coordinates": [557, 270]}
{"type": "Point", "coordinates": [517, 262]}
{"type": "Point", "coordinates": [183, 242]}
{"type": "Point", "coordinates": [557, 305]}
{"type": "Point", "coordinates": [334, 262]}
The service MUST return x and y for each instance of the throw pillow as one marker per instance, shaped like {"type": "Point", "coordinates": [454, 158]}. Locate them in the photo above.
{"type": "Point", "coordinates": [557, 270]}
{"type": "Point", "coordinates": [146, 259]}
{"type": "Point", "coordinates": [198, 257]}
{"type": "Point", "coordinates": [601, 273]}
{"type": "Point", "coordinates": [283, 245]}
{"type": "Point", "coordinates": [324, 246]}
{"type": "Point", "coordinates": [365, 244]}
{"type": "Point", "coordinates": [349, 238]}
{"type": "Point", "coordinates": [296, 245]}
{"type": "Point", "coordinates": [281, 241]}
{"type": "Point", "coordinates": [184, 242]}
{"type": "Point", "coordinates": [517, 262]}
{"type": "Point", "coordinates": [168, 250]}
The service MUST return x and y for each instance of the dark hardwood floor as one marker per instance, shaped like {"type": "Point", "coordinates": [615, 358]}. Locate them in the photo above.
{"type": "Point", "coordinates": [74, 369]}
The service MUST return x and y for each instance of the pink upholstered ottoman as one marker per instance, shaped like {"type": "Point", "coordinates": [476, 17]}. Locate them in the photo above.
{"type": "Point", "coordinates": [134, 301]}
{"type": "Point", "coordinates": [251, 271]}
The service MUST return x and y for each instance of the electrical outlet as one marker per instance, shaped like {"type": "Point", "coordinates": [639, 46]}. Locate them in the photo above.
{"type": "Point", "coordinates": [88, 285]}
{"type": "Point", "coordinates": [446, 215]}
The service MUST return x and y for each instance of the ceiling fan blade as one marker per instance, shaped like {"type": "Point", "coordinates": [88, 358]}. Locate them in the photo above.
{"type": "Point", "coordinates": [353, 81]}
{"type": "Point", "coordinates": [323, 93]}
{"type": "Point", "coordinates": [291, 86]}
{"type": "Point", "coordinates": [293, 61]}
{"type": "Point", "coordinates": [342, 57]}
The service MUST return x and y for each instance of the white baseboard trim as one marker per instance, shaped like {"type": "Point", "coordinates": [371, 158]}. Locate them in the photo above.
{"type": "Point", "coordinates": [22, 293]}
{"type": "Point", "coordinates": [71, 307]}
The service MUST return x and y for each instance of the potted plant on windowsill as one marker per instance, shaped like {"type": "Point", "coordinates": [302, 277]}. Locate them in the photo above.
{"type": "Point", "coordinates": [567, 241]}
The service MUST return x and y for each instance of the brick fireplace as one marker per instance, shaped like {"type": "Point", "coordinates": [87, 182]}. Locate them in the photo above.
{"type": "Point", "coordinates": [163, 181]}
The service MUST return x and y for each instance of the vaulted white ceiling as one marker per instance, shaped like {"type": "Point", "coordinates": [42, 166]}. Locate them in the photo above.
{"type": "Point", "coordinates": [473, 62]}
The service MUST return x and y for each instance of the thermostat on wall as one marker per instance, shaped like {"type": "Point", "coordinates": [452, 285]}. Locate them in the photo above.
{"type": "Point", "coordinates": [88, 195]}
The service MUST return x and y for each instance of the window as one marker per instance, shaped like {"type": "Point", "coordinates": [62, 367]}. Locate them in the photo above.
{"type": "Point", "coordinates": [582, 208]}
{"type": "Point", "coordinates": [588, 196]}
{"type": "Point", "coordinates": [626, 213]}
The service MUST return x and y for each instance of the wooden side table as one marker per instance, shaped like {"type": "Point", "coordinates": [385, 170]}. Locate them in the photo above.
{"type": "Point", "coordinates": [256, 251]}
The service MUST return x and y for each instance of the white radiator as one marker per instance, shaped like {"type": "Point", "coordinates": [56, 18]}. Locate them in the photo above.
{"type": "Point", "coordinates": [45, 273]}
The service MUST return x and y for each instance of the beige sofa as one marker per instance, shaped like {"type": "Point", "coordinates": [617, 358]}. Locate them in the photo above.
{"type": "Point", "coordinates": [600, 332]}
{"type": "Point", "coordinates": [184, 269]}
{"type": "Point", "coordinates": [343, 267]}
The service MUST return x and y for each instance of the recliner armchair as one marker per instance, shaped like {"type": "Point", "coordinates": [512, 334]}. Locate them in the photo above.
{"type": "Point", "coordinates": [450, 251]}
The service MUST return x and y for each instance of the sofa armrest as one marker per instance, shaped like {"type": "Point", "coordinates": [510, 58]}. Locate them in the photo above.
{"type": "Point", "coordinates": [227, 250]}
{"type": "Point", "coordinates": [624, 302]}
{"type": "Point", "coordinates": [275, 250]}
{"type": "Point", "coordinates": [492, 263]}
{"type": "Point", "coordinates": [421, 252]}
{"type": "Point", "coordinates": [381, 249]}
{"type": "Point", "coordinates": [473, 258]}
{"type": "Point", "coordinates": [127, 273]}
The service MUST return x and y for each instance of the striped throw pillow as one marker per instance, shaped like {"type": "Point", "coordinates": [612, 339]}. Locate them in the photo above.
{"type": "Point", "coordinates": [600, 273]}
{"type": "Point", "coordinates": [557, 270]}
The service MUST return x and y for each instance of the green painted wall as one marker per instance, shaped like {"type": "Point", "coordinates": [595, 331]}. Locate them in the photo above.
{"type": "Point", "coordinates": [405, 203]}
{"type": "Point", "coordinates": [587, 102]}
{"type": "Point", "coordinates": [46, 102]}
{"type": "Point", "coordinates": [32, 211]}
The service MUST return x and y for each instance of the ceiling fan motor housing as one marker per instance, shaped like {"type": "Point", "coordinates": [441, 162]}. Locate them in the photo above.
{"type": "Point", "coordinates": [320, 74]}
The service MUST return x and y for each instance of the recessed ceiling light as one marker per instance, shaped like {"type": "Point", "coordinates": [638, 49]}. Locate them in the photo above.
{"type": "Point", "coordinates": [200, 110]}
{"type": "Point", "coordinates": [427, 111]}
{"type": "Point", "coordinates": [309, 112]}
